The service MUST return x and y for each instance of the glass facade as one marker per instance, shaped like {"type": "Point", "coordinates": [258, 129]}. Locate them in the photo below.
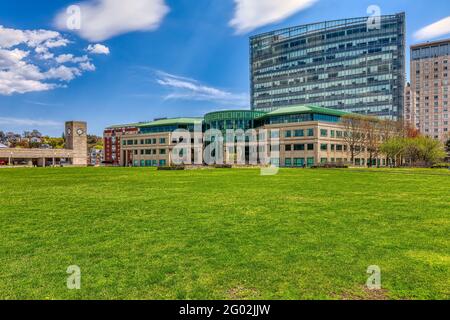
{"type": "Point", "coordinates": [343, 64]}
{"type": "Point", "coordinates": [293, 118]}
{"type": "Point", "coordinates": [233, 119]}
{"type": "Point", "coordinates": [168, 128]}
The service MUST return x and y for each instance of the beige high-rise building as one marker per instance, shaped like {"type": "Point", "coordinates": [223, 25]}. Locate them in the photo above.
{"type": "Point", "coordinates": [428, 109]}
{"type": "Point", "coordinates": [411, 111]}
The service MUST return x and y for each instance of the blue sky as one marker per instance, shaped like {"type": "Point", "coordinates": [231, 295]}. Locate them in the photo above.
{"type": "Point", "coordinates": [153, 58]}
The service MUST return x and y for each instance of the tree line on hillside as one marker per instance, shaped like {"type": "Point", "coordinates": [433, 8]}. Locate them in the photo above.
{"type": "Point", "coordinates": [398, 142]}
{"type": "Point", "coordinates": [35, 139]}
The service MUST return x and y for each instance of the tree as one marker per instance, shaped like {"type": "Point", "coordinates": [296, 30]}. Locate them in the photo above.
{"type": "Point", "coordinates": [372, 137]}
{"type": "Point", "coordinates": [411, 151]}
{"type": "Point", "coordinates": [415, 151]}
{"type": "Point", "coordinates": [55, 143]}
{"type": "Point", "coordinates": [94, 141]}
{"type": "Point", "coordinates": [393, 148]}
{"type": "Point", "coordinates": [35, 134]}
{"type": "Point", "coordinates": [353, 136]}
{"type": "Point", "coordinates": [431, 151]}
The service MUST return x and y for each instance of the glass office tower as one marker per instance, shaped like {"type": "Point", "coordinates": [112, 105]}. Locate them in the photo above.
{"type": "Point", "coordinates": [354, 65]}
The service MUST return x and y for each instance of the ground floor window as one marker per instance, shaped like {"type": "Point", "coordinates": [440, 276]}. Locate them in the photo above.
{"type": "Point", "coordinates": [323, 160]}
{"type": "Point", "coordinates": [288, 162]}
{"type": "Point", "coordinates": [162, 163]}
{"type": "Point", "coordinates": [136, 163]}
{"type": "Point", "coordinates": [299, 162]}
{"type": "Point", "coordinates": [310, 162]}
{"type": "Point", "coordinates": [142, 163]}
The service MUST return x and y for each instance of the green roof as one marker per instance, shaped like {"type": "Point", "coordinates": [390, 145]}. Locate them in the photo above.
{"type": "Point", "coordinates": [305, 109]}
{"type": "Point", "coordinates": [117, 126]}
{"type": "Point", "coordinates": [173, 121]}
{"type": "Point", "coordinates": [233, 115]}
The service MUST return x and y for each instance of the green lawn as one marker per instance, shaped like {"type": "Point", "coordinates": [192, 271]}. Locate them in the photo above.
{"type": "Point", "coordinates": [224, 234]}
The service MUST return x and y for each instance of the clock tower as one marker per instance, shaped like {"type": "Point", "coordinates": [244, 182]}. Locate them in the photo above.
{"type": "Point", "coordinates": [76, 140]}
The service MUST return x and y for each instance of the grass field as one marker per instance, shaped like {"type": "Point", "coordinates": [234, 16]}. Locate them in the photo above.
{"type": "Point", "coordinates": [224, 234]}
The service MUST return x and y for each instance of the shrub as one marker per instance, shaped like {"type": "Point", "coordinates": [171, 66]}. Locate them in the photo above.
{"type": "Point", "coordinates": [170, 168]}
{"type": "Point", "coordinates": [330, 166]}
{"type": "Point", "coordinates": [223, 166]}
{"type": "Point", "coordinates": [441, 166]}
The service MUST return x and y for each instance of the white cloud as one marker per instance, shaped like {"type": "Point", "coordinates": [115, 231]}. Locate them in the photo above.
{"type": "Point", "coordinates": [87, 66]}
{"type": "Point", "coordinates": [62, 73]}
{"type": "Point", "coordinates": [70, 58]}
{"type": "Point", "coordinates": [437, 29]}
{"type": "Point", "coordinates": [104, 19]}
{"type": "Point", "coordinates": [22, 53]}
{"type": "Point", "coordinates": [98, 49]}
{"type": "Point", "coordinates": [28, 122]}
{"type": "Point", "coordinates": [190, 89]}
{"type": "Point", "coordinates": [252, 14]}
{"type": "Point", "coordinates": [32, 38]}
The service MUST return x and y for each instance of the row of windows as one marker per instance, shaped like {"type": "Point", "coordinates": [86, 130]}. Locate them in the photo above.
{"type": "Point", "coordinates": [336, 66]}
{"type": "Point", "coordinates": [298, 133]}
{"type": "Point", "coordinates": [299, 162]}
{"type": "Point", "coordinates": [299, 147]}
{"type": "Point", "coordinates": [149, 163]}
{"type": "Point", "coordinates": [143, 141]}
{"type": "Point", "coordinates": [149, 151]}
{"type": "Point", "coordinates": [262, 47]}
{"type": "Point", "coordinates": [322, 81]}
{"type": "Point", "coordinates": [347, 55]}
{"type": "Point", "coordinates": [347, 103]}
{"type": "Point", "coordinates": [323, 147]}
{"type": "Point", "coordinates": [329, 52]}
{"type": "Point", "coordinates": [350, 90]}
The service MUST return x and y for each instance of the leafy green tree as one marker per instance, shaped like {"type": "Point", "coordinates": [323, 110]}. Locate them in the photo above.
{"type": "Point", "coordinates": [431, 151]}
{"type": "Point", "coordinates": [393, 149]}
{"type": "Point", "coordinates": [415, 151]}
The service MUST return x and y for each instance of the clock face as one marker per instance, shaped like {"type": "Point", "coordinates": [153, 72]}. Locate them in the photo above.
{"type": "Point", "coordinates": [80, 132]}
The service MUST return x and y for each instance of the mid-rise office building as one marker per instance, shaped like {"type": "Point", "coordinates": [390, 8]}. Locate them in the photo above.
{"type": "Point", "coordinates": [354, 65]}
{"type": "Point", "coordinates": [308, 135]}
{"type": "Point", "coordinates": [152, 143]}
{"type": "Point", "coordinates": [429, 110]}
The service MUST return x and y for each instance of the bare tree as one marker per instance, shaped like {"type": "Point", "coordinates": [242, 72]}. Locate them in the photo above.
{"type": "Point", "coordinates": [353, 136]}
{"type": "Point", "coordinates": [372, 133]}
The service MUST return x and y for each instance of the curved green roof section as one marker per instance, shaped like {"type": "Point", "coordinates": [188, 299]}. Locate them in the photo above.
{"type": "Point", "coordinates": [171, 122]}
{"type": "Point", "coordinates": [305, 109]}
{"type": "Point", "coordinates": [119, 126]}
{"type": "Point", "coordinates": [233, 115]}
